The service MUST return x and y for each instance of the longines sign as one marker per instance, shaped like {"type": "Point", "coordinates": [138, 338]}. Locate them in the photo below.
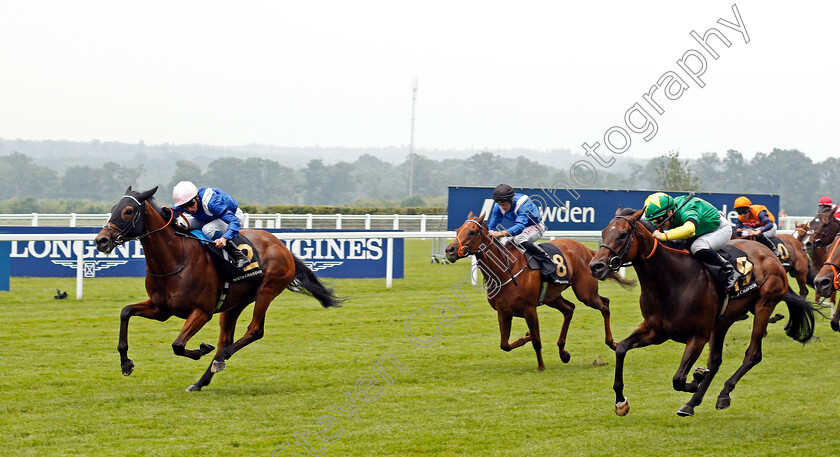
{"type": "Point", "coordinates": [328, 258]}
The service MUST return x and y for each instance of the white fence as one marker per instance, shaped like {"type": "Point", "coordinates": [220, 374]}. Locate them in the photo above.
{"type": "Point", "coordinates": [413, 222]}
{"type": "Point", "coordinates": [440, 236]}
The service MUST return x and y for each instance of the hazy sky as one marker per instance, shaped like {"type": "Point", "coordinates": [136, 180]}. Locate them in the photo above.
{"type": "Point", "coordinates": [537, 74]}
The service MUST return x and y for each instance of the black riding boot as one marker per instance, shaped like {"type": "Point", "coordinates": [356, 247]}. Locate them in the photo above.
{"type": "Point", "coordinates": [547, 267]}
{"type": "Point", "coordinates": [237, 257]}
{"type": "Point", "coordinates": [728, 273]}
{"type": "Point", "coordinates": [765, 240]}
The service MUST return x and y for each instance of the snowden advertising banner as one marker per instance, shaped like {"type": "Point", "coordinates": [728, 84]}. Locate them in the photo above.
{"type": "Point", "coordinates": [328, 258]}
{"type": "Point", "coordinates": [592, 210]}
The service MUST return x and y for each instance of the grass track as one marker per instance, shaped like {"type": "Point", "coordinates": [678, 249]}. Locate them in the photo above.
{"type": "Point", "coordinates": [63, 394]}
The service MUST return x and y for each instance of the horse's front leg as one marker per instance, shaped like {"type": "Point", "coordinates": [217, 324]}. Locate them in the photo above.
{"type": "Point", "coordinates": [641, 337]}
{"type": "Point", "coordinates": [693, 347]}
{"type": "Point", "coordinates": [144, 309]}
{"type": "Point", "coordinates": [195, 321]}
{"type": "Point", "coordinates": [504, 333]}
{"type": "Point", "coordinates": [533, 322]}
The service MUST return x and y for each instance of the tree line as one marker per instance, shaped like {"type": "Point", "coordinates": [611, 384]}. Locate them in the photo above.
{"type": "Point", "coordinates": [370, 181]}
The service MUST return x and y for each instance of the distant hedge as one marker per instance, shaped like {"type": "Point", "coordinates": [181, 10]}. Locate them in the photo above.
{"type": "Point", "coordinates": [311, 209]}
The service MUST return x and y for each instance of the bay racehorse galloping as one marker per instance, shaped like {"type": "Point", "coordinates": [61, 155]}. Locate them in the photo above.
{"type": "Point", "coordinates": [513, 289]}
{"type": "Point", "coordinates": [827, 281]}
{"type": "Point", "coordinates": [821, 233]}
{"type": "Point", "coordinates": [800, 265]}
{"type": "Point", "coordinates": [181, 281]}
{"type": "Point", "coordinates": [680, 301]}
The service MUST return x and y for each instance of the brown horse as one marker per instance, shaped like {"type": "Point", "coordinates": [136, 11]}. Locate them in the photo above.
{"type": "Point", "coordinates": [680, 301]}
{"type": "Point", "coordinates": [513, 289]}
{"type": "Point", "coordinates": [181, 281]}
{"type": "Point", "coordinates": [827, 281]}
{"type": "Point", "coordinates": [791, 250]}
{"type": "Point", "coordinates": [821, 232]}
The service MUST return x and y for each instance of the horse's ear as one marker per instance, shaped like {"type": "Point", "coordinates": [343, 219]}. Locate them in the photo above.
{"type": "Point", "coordinates": [145, 195]}
{"type": "Point", "coordinates": [618, 211]}
{"type": "Point", "coordinates": [470, 216]}
{"type": "Point", "coordinates": [481, 218]}
{"type": "Point", "coordinates": [638, 214]}
{"type": "Point", "coordinates": [127, 191]}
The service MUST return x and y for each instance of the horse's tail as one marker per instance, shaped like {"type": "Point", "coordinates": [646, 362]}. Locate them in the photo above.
{"type": "Point", "coordinates": [625, 283]}
{"type": "Point", "coordinates": [800, 326]}
{"type": "Point", "coordinates": [307, 283]}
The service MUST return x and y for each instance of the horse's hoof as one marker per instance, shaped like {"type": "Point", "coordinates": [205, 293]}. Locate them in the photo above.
{"type": "Point", "coordinates": [835, 326]}
{"type": "Point", "coordinates": [565, 356]}
{"type": "Point", "coordinates": [206, 348]}
{"type": "Point", "coordinates": [622, 408]}
{"type": "Point", "coordinates": [541, 368]}
{"type": "Point", "coordinates": [685, 411]}
{"type": "Point", "coordinates": [193, 388]}
{"type": "Point", "coordinates": [699, 374]}
{"type": "Point", "coordinates": [723, 402]}
{"type": "Point", "coordinates": [127, 367]}
{"type": "Point", "coordinates": [217, 366]}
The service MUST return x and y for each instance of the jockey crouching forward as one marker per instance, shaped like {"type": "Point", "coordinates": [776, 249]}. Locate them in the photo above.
{"type": "Point", "coordinates": [695, 219]}
{"type": "Point", "coordinates": [215, 212]}
{"type": "Point", "coordinates": [755, 221]}
{"type": "Point", "coordinates": [527, 225]}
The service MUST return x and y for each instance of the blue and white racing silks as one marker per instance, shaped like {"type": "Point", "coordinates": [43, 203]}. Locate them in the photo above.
{"type": "Point", "coordinates": [216, 204]}
{"type": "Point", "coordinates": [523, 213]}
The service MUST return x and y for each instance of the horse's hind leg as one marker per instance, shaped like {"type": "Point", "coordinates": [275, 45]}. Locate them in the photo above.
{"type": "Point", "coordinates": [227, 326]}
{"type": "Point", "coordinates": [568, 309]}
{"type": "Point", "coordinates": [587, 292]}
{"type": "Point", "coordinates": [752, 356]}
{"type": "Point", "coordinates": [255, 330]}
{"type": "Point", "coordinates": [194, 322]}
{"type": "Point", "coordinates": [145, 309]}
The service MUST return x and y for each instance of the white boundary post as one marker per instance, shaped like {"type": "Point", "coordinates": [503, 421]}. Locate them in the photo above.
{"type": "Point", "coordinates": [80, 272]}
{"type": "Point", "coordinates": [389, 264]}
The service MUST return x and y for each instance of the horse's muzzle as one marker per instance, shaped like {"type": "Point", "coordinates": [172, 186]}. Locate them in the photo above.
{"type": "Point", "coordinates": [104, 242]}
{"type": "Point", "coordinates": [823, 286]}
{"type": "Point", "coordinates": [598, 269]}
{"type": "Point", "coordinates": [452, 253]}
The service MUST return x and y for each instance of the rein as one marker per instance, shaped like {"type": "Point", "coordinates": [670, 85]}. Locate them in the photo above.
{"type": "Point", "coordinates": [464, 251]}
{"type": "Point", "coordinates": [120, 239]}
{"type": "Point", "coordinates": [617, 260]}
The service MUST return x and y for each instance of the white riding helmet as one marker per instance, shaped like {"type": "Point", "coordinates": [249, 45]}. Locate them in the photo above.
{"type": "Point", "coordinates": [183, 192]}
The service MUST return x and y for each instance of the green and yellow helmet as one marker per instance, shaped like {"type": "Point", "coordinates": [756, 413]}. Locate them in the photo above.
{"type": "Point", "coordinates": [656, 205]}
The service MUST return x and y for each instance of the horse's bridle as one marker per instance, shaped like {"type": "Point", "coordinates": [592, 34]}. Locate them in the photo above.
{"type": "Point", "coordinates": [128, 229]}
{"type": "Point", "coordinates": [617, 260]}
{"type": "Point", "coordinates": [464, 250]}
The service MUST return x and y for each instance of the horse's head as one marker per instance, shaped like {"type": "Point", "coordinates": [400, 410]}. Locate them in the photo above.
{"type": "Point", "coordinates": [800, 231]}
{"type": "Point", "coordinates": [127, 220]}
{"type": "Point", "coordinates": [828, 278]}
{"type": "Point", "coordinates": [821, 232]}
{"type": "Point", "coordinates": [619, 242]}
{"type": "Point", "coordinates": [470, 238]}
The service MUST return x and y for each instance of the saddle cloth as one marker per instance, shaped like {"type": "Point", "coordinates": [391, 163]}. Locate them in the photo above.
{"type": "Point", "coordinates": [784, 254]}
{"type": "Point", "coordinates": [221, 258]}
{"type": "Point", "coordinates": [741, 262]}
{"type": "Point", "coordinates": [556, 272]}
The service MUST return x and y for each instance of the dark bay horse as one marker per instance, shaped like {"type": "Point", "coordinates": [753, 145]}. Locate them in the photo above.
{"type": "Point", "coordinates": [181, 281]}
{"type": "Point", "coordinates": [513, 289]}
{"type": "Point", "coordinates": [680, 301]}
{"type": "Point", "coordinates": [820, 233]}
{"type": "Point", "coordinates": [800, 266]}
{"type": "Point", "coordinates": [827, 281]}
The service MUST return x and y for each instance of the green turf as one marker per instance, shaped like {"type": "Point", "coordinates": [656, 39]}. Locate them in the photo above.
{"type": "Point", "coordinates": [63, 394]}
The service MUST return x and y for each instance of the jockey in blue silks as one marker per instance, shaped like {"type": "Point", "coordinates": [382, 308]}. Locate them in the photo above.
{"type": "Point", "coordinates": [527, 224]}
{"type": "Point", "coordinates": [213, 211]}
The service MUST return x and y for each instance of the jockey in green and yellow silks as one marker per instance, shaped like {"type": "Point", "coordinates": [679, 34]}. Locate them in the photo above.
{"type": "Point", "coordinates": [695, 219]}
